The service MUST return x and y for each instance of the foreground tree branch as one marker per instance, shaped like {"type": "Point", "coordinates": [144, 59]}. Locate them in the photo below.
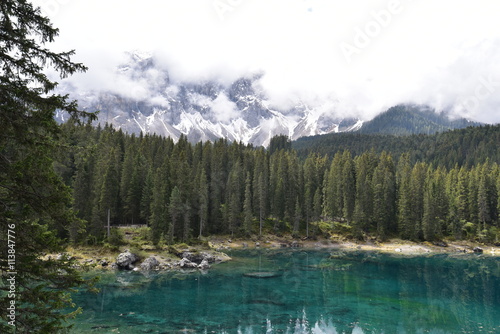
{"type": "Point", "coordinates": [34, 293]}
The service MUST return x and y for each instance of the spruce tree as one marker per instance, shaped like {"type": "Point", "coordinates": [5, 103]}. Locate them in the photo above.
{"type": "Point", "coordinates": [158, 209]}
{"type": "Point", "coordinates": [176, 211]}
{"type": "Point", "coordinates": [348, 182]}
{"type": "Point", "coordinates": [484, 215]}
{"type": "Point", "coordinates": [405, 205]}
{"type": "Point", "coordinates": [417, 182]}
{"type": "Point", "coordinates": [247, 206]}
{"type": "Point", "coordinates": [261, 186]}
{"type": "Point", "coordinates": [147, 196]}
{"type": "Point", "coordinates": [233, 201]}
{"type": "Point", "coordinates": [384, 195]}
{"type": "Point", "coordinates": [333, 198]}
{"type": "Point", "coordinates": [203, 200]}
{"type": "Point", "coordinates": [363, 210]}
{"type": "Point", "coordinates": [33, 197]}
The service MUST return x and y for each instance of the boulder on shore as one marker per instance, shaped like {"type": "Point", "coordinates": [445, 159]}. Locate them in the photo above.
{"type": "Point", "coordinates": [478, 250]}
{"type": "Point", "coordinates": [126, 260]}
{"type": "Point", "coordinates": [187, 264]}
{"type": "Point", "coordinates": [150, 263]}
{"type": "Point", "coordinates": [199, 257]}
{"type": "Point", "coordinates": [204, 265]}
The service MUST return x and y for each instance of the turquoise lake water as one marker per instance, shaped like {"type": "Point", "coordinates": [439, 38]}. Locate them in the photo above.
{"type": "Point", "coordinates": [334, 291]}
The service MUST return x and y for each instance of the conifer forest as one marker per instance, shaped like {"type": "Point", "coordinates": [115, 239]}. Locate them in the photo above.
{"type": "Point", "coordinates": [184, 191]}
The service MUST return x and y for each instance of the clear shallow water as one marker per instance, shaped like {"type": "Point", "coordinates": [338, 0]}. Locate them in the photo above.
{"type": "Point", "coordinates": [310, 292]}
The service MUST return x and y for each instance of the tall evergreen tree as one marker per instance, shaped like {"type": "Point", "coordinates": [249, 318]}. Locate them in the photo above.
{"type": "Point", "coordinates": [435, 204]}
{"type": "Point", "coordinates": [261, 186]}
{"type": "Point", "coordinates": [147, 196]}
{"type": "Point", "coordinates": [473, 192]}
{"type": "Point", "coordinates": [417, 182]}
{"type": "Point", "coordinates": [218, 180]}
{"type": "Point", "coordinates": [106, 195]}
{"type": "Point", "coordinates": [486, 197]}
{"type": "Point", "coordinates": [310, 185]}
{"type": "Point", "coordinates": [247, 206]}
{"type": "Point", "coordinates": [384, 195]}
{"type": "Point", "coordinates": [279, 142]}
{"type": "Point", "coordinates": [233, 201]}
{"type": "Point", "coordinates": [203, 200]}
{"type": "Point", "coordinates": [83, 184]}
{"type": "Point", "coordinates": [405, 205]}
{"type": "Point", "coordinates": [348, 187]}
{"type": "Point", "coordinates": [363, 210]}
{"type": "Point", "coordinates": [33, 197]}
{"type": "Point", "coordinates": [461, 199]}
{"type": "Point", "coordinates": [158, 209]}
{"type": "Point", "coordinates": [175, 210]}
{"type": "Point", "coordinates": [277, 182]}
{"type": "Point", "coordinates": [333, 198]}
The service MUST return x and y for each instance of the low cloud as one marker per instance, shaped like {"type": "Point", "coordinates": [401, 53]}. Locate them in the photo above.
{"type": "Point", "coordinates": [440, 53]}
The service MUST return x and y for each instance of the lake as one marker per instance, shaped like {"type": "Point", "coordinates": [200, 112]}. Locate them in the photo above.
{"type": "Point", "coordinates": [303, 291]}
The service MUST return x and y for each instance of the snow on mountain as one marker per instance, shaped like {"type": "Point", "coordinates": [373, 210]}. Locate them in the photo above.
{"type": "Point", "coordinates": [144, 99]}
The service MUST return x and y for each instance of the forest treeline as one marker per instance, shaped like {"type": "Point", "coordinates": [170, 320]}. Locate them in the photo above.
{"type": "Point", "coordinates": [463, 147]}
{"type": "Point", "coordinates": [183, 190]}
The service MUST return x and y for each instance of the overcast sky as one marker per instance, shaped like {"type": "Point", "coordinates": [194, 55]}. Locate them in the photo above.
{"type": "Point", "coordinates": [369, 55]}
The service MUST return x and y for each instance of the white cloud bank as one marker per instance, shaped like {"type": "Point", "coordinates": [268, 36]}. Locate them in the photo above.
{"type": "Point", "coordinates": [368, 55]}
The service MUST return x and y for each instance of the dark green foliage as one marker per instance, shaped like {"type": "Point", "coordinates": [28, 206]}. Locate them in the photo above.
{"type": "Point", "coordinates": [405, 204]}
{"type": "Point", "coordinates": [35, 204]}
{"type": "Point", "coordinates": [348, 186]}
{"type": "Point", "coordinates": [464, 147]}
{"type": "Point", "coordinates": [219, 188]}
{"type": "Point", "coordinates": [384, 196]}
{"type": "Point", "coordinates": [280, 142]}
{"type": "Point", "coordinates": [247, 206]}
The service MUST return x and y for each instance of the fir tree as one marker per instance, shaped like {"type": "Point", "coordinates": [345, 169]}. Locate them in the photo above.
{"type": "Point", "coordinates": [405, 216]}
{"type": "Point", "coordinates": [203, 200]}
{"type": "Point", "coordinates": [348, 182]}
{"type": "Point", "coordinates": [175, 210]}
{"type": "Point", "coordinates": [33, 197]}
{"type": "Point", "coordinates": [247, 206]}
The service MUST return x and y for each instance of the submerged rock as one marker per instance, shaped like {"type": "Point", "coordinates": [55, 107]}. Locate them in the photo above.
{"type": "Point", "coordinates": [263, 274]}
{"type": "Point", "coordinates": [126, 260]}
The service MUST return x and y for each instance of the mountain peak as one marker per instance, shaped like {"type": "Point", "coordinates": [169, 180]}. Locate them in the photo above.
{"type": "Point", "coordinates": [201, 110]}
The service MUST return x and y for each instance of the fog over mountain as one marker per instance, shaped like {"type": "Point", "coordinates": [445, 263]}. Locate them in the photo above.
{"type": "Point", "coordinates": [145, 99]}
{"type": "Point", "coordinates": [354, 59]}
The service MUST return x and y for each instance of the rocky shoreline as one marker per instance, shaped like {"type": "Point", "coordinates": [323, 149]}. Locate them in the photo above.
{"type": "Point", "coordinates": [391, 246]}
{"type": "Point", "coordinates": [128, 260]}
{"type": "Point", "coordinates": [202, 258]}
{"type": "Point", "coordinates": [188, 260]}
